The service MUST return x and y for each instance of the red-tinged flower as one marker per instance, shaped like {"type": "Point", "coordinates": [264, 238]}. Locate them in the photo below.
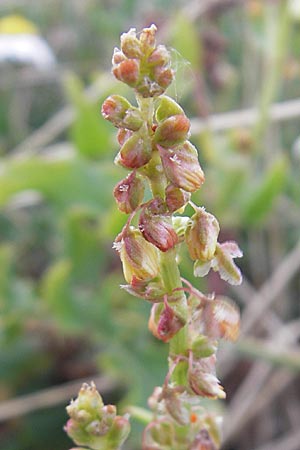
{"type": "Point", "coordinates": [128, 71]}
{"type": "Point", "coordinates": [157, 228]}
{"type": "Point", "coordinates": [121, 113]}
{"type": "Point", "coordinates": [135, 152]}
{"type": "Point", "coordinates": [182, 167]}
{"type": "Point", "coordinates": [164, 323]}
{"type": "Point", "coordinates": [202, 235]}
{"type": "Point", "coordinates": [163, 77]}
{"type": "Point", "coordinates": [202, 378]}
{"type": "Point", "coordinates": [129, 193]}
{"type": "Point", "coordinates": [123, 135]}
{"type": "Point", "coordinates": [130, 44]}
{"type": "Point", "coordinates": [176, 198]}
{"type": "Point", "coordinates": [147, 38]}
{"type": "Point", "coordinates": [139, 257]}
{"type": "Point", "coordinates": [172, 131]}
{"type": "Point", "coordinates": [159, 57]}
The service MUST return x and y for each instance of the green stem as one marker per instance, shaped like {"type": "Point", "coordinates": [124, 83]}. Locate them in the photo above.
{"type": "Point", "coordinates": [169, 268]}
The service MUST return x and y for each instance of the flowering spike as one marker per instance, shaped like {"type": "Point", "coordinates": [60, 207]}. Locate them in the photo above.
{"type": "Point", "coordinates": [154, 147]}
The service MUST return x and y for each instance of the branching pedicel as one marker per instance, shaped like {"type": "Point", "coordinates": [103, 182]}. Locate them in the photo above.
{"type": "Point", "coordinates": [155, 148]}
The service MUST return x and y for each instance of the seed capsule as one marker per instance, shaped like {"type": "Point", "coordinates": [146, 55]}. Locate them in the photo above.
{"type": "Point", "coordinates": [182, 167]}
{"type": "Point", "coordinates": [202, 235]}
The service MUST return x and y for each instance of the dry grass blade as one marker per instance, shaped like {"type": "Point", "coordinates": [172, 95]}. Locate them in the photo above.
{"type": "Point", "coordinates": [49, 397]}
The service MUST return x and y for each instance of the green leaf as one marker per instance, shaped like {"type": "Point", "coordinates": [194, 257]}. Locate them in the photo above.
{"type": "Point", "coordinates": [89, 132]}
{"type": "Point", "coordinates": [260, 202]}
{"type": "Point", "coordinates": [64, 181]}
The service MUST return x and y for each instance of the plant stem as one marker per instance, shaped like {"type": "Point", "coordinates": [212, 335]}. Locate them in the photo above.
{"type": "Point", "coordinates": [169, 268]}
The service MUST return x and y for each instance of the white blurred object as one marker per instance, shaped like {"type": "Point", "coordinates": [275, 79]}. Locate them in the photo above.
{"type": "Point", "coordinates": [294, 9]}
{"type": "Point", "coordinates": [21, 44]}
{"type": "Point", "coordinates": [26, 50]}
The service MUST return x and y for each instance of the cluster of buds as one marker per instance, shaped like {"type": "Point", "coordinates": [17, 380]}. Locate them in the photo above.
{"type": "Point", "coordinates": [155, 148]}
{"type": "Point", "coordinates": [141, 64]}
{"type": "Point", "coordinates": [93, 424]}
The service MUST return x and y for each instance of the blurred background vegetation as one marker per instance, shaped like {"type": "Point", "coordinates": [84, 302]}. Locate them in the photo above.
{"type": "Point", "coordinates": [63, 317]}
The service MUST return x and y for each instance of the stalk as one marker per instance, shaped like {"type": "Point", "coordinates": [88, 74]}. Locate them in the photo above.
{"type": "Point", "coordinates": [155, 149]}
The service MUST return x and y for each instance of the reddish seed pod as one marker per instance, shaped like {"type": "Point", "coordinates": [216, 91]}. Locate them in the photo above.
{"type": "Point", "coordinates": [156, 227]}
{"type": "Point", "coordinates": [176, 198]}
{"type": "Point", "coordinates": [129, 193]}
{"type": "Point", "coordinates": [163, 322]}
{"type": "Point", "coordinates": [172, 131]}
{"type": "Point", "coordinates": [127, 71]}
{"type": "Point", "coordinates": [182, 167]}
{"type": "Point", "coordinates": [135, 152]}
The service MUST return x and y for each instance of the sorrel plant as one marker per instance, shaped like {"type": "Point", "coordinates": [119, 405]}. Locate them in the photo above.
{"type": "Point", "coordinates": [154, 147]}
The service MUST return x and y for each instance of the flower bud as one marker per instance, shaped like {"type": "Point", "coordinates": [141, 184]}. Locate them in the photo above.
{"type": "Point", "coordinates": [135, 152]}
{"type": "Point", "coordinates": [176, 198]}
{"type": "Point", "coordinates": [123, 135]}
{"type": "Point", "coordinates": [139, 257]}
{"type": "Point", "coordinates": [119, 111]}
{"type": "Point", "coordinates": [157, 228]}
{"type": "Point", "coordinates": [160, 57]}
{"type": "Point", "coordinates": [118, 433]}
{"type": "Point", "coordinates": [127, 71]}
{"type": "Point", "coordinates": [182, 167]}
{"type": "Point", "coordinates": [202, 235]}
{"type": "Point", "coordinates": [163, 77]}
{"type": "Point", "coordinates": [167, 107]}
{"type": "Point", "coordinates": [118, 56]}
{"type": "Point", "coordinates": [223, 262]}
{"type": "Point", "coordinates": [129, 193]}
{"type": "Point", "coordinates": [163, 322]}
{"type": "Point", "coordinates": [147, 38]}
{"type": "Point", "coordinates": [202, 379]}
{"type": "Point", "coordinates": [172, 131]}
{"type": "Point", "coordinates": [94, 425]}
{"type": "Point", "coordinates": [130, 45]}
